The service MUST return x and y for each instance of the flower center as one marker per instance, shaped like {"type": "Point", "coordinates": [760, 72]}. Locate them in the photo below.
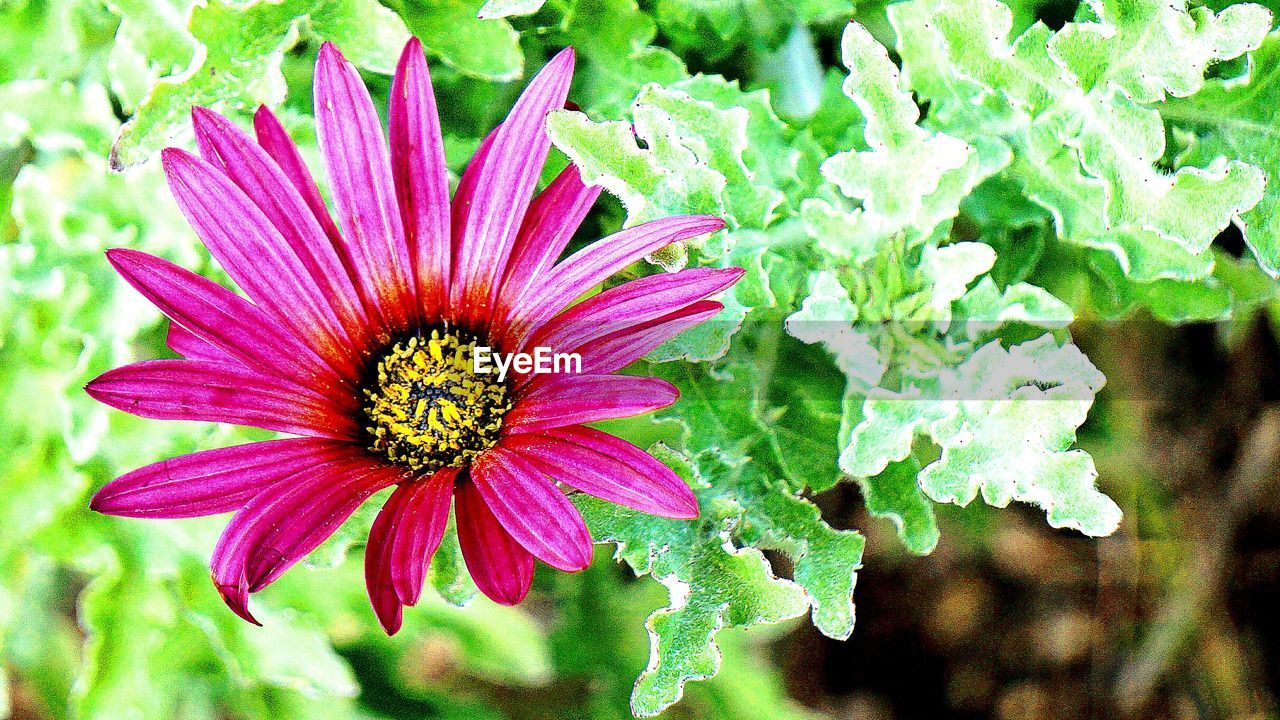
{"type": "Point", "coordinates": [427, 408]}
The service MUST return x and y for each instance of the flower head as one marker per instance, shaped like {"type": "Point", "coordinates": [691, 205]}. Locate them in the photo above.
{"type": "Point", "coordinates": [359, 337]}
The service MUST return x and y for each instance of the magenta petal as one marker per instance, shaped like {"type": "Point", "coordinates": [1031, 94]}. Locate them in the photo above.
{"type": "Point", "coordinates": [460, 208]}
{"type": "Point", "coordinates": [427, 515]}
{"type": "Point", "coordinates": [421, 176]}
{"type": "Point", "coordinates": [501, 568]}
{"type": "Point", "coordinates": [307, 516]}
{"type": "Point", "coordinates": [377, 578]}
{"type": "Point", "coordinates": [618, 350]}
{"type": "Point", "coordinates": [595, 263]}
{"type": "Point", "coordinates": [355, 153]}
{"type": "Point", "coordinates": [276, 142]}
{"type": "Point", "coordinates": [402, 540]}
{"type": "Point", "coordinates": [505, 184]}
{"type": "Point", "coordinates": [631, 303]}
{"type": "Point", "coordinates": [553, 217]}
{"type": "Point", "coordinates": [252, 169]}
{"type": "Point", "coordinates": [190, 346]}
{"type": "Point", "coordinates": [413, 522]}
{"type": "Point", "coordinates": [532, 509]}
{"type": "Point", "coordinates": [236, 595]}
{"type": "Point", "coordinates": [283, 523]}
{"type": "Point", "coordinates": [209, 392]}
{"type": "Point", "coordinates": [252, 252]}
{"type": "Point", "coordinates": [221, 318]}
{"type": "Point", "coordinates": [608, 467]}
{"type": "Point", "coordinates": [208, 482]}
{"type": "Point", "coordinates": [575, 399]}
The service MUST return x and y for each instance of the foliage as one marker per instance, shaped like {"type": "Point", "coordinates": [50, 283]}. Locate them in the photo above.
{"type": "Point", "coordinates": [919, 226]}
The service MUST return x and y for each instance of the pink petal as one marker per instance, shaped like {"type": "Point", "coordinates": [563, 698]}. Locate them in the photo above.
{"type": "Point", "coordinates": [286, 521]}
{"type": "Point", "coordinates": [253, 253]}
{"type": "Point", "coordinates": [608, 467]}
{"type": "Point", "coordinates": [501, 568]}
{"type": "Point", "coordinates": [355, 153]}
{"type": "Point", "coordinates": [630, 304]}
{"type": "Point", "coordinates": [421, 176]}
{"type": "Point", "coordinates": [595, 263]}
{"type": "Point", "coordinates": [188, 345]}
{"type": "Point", "coordinates": [191, 390]}
{"type": "Point", "coordinates": [532, 509]}
{"type": "Point", "coordinates": [402, 540]}
{"type": "Point", "coordinates": [618, 350]}
{"type": "Point", "coordinates": [377, 580]}
{"type": "Point", "coordinates": [276, 142]}
{"type": "Point", "coordinates": [210, 482]}
{"type": "Point", "coordinates": [228, 147]}
{"type": "Point", "coordinates": [553, 217]}
{"type": "Point", "coordinates": [460, 207]}
{"type": "Point", "coordinates": [575, 399]}
{"type": "Point", "coordinates": [228, 322]}
{"type": "Point", "coordinates": [504, 186]}
{"type": "Point", "coordinates": [464, 195]}
{"type": "Point", "coordinates": [325, 502]}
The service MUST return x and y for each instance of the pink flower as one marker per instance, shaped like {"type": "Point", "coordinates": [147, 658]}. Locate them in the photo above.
{"type": "Point", "coordinates": [356, 337]}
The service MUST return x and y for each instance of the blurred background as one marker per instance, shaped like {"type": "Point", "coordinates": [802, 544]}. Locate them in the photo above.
{"type": "Point", "coordinates": [1172, 617]}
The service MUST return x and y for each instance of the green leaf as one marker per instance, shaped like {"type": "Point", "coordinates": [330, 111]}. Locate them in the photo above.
{"type": "Point", "coordinates": [607, 155]}
{"type": "Point", "coordinates": [1238, 119]}
{"type": "Point", "coordinates": [827, 317]}
{"type": "Point", "coordinates": [985, 310]}
{"type": "Point", "coordinates": [151, 42]}
{"type": "Point", "coordinates": [1086, 145]}
{"type": "Point", "coordinates": [242, 48]}
{"type": "Point", "coordinates": [1016, 447]}
{"type": "Point", "coordinates": [735, 451]}
{"type": "Point", "coordinates": [890, 423]}
{"type": "Point", "coordinates": [711, 586]}
{"type": "Point", "coordinates": [1148, 49]}
{"type": "Point", "coordinates": [614, 39]}
{"type": "Point", "coordinates": [826, 560]}
{"type": "Point", "coordinates": [772, 517]}
{"type": "Point", "coordinates": [453, 31]}
{"type": "Point", "coordinates": [905, 163]}
{"type": "Point", "coordinates": [710, 148]}
{"type": "Point", "coordinates": [716, 28]}
{"type": "Point", "coordinates": [237, 54]}
{"type": "Point", "coordinates": [714, 121]}
{"type": "Point", "coordinates": [1006, 421]}
{"type": "Point", "coordinates": [895, 494]}
{"type": "Point", "coordinates": [949, 270]}
{"type": "Point", "coordinates": [911, 180]}
{"type": "Point", "coordinates": [889, 324]}
{"type": "Point", "coordinates": [369, 34]}
{"type": "Point", "coordinates": [509, 8]}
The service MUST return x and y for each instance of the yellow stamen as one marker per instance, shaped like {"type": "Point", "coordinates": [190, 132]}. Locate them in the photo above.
{"type": "Point", "coordinates": [425, 406]}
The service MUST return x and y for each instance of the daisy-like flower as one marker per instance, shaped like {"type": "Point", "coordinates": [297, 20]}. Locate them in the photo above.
{"type": "Point", "coordinates": [357, 338]}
